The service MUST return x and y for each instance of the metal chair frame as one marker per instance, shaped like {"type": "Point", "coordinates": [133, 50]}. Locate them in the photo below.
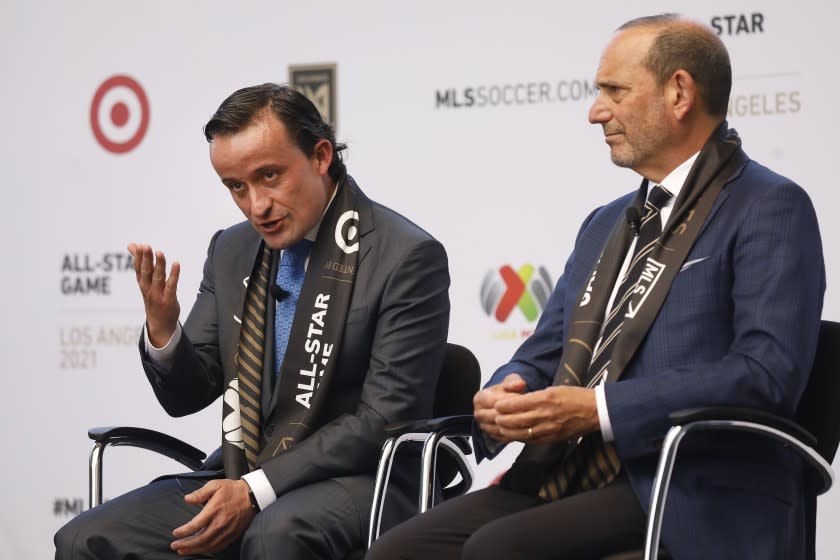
{"type": "Point", "coordinates": [668, 457]}
{"type": "Point", "coordinates": [458, 426]}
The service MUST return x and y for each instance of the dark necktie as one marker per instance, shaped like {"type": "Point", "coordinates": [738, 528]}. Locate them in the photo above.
{"type": "Point", "coordinates": [290, 275]}
{"type": "Point", "coordinates": [593, 463]}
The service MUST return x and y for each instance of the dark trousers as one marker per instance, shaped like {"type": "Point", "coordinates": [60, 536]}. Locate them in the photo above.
{"type": "Point", "coordinates": [500, 524]}
{"type": "Point", "coordinates": [320, 520]}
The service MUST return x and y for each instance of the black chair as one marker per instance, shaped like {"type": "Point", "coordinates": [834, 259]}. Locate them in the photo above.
{"type": "Point", "coordinates": [447, 475]}
{"type": "Point", "coordinates": [459, 380]}
{"type": "Point", "coordinates": [814, 434]}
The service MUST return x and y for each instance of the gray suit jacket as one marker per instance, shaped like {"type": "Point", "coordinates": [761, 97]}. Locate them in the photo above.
{"type": "Point", "coordinates": [390, 358]}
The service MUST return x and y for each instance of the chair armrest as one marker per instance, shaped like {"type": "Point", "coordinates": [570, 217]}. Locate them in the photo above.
{"type": "Point", "coordinates": [726, 418]}
{"type": "Point", "coordinates": [461, 423]}
{"type": "Point", "coordinates": [731, 413]}
{"type": "Point", "coordinates": [449, 426]}
{"type": "Point", "coordinates": [158, 442]}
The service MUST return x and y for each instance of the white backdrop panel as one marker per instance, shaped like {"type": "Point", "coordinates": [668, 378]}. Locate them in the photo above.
{"type": "Point", "coordinates": [505, 181]}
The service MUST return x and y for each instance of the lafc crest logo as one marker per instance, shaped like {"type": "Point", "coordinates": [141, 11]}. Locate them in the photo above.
{"type": "Point", "coordinates": [317, 82]}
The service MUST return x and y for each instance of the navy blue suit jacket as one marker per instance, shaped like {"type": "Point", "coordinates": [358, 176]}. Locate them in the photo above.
{"type": "Point", "coordinates": [738, 327]}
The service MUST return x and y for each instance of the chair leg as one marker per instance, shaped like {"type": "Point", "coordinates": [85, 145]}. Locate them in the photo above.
{"type": "Point", "coordinates": [383, 472]}
{"type": "Point", "coordinates": [659, 492]}
{"type": "Point", "coordinates": [636, 555]}
{"type": "Point", "coordinates": [95, 474]}
{"type": "Point", "coordinates": [427, 474]}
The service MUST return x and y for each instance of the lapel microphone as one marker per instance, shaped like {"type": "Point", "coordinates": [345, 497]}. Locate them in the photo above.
{"type": "Point", "coordinates": [278, 293]}
{"type": "Point", "coordinates": [634, 220]}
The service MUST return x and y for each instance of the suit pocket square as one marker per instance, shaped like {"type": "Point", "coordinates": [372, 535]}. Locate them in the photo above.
{"type": "Point", "coordinates": [688, 264]}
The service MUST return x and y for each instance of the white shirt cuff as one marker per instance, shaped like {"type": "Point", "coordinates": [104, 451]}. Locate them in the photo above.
{"type": "Point", "coordinates": [603, 413]}
{"type": "Point", "coordinates": [166, 355]}
{"type": "Point", "coordinates": [261, 488]}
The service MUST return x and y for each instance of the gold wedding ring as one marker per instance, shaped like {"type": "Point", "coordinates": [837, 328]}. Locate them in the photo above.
{"type": "Point", "coordinates": [530, 433]}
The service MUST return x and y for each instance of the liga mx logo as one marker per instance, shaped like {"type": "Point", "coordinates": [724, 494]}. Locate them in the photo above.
{"type": "Point", "coordinates": [506, 289]}
{"type": "Point", "coordinates": [317, 82]}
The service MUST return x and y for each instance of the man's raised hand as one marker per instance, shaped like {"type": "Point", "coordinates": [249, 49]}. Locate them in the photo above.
{"type": "Point", "coordinates": [159, 292]}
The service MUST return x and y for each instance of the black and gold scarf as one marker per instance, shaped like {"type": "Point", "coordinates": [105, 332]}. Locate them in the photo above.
{"type": "Point", "coordinates": [311, 356]}
{"type": "Point", "coordinates": [720, 157]}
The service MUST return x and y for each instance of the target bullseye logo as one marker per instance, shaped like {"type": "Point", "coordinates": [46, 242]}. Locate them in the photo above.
{"type": "Point", "coordinates": [119, 114]}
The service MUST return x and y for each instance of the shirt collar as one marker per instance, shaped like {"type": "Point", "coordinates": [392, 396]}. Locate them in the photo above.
{"type": "Point", "coordinates": [675, 180]}
{"type": "Point", "coordinates": [313, 233]}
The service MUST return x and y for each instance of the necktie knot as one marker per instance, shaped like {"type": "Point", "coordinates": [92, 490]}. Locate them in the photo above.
{"type": "Point", "coordinates": [295, 255]}
{"type": "Point", "coordinates": [659, 197]}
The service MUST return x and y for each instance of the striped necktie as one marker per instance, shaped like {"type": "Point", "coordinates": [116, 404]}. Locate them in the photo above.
{"type": "Point", "coordinates": [592, 463]}
{"type": "Point", "coordinates": [249, 357]}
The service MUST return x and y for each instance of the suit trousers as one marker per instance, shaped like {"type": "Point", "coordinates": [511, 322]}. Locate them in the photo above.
{"type": "Point", "coordinates": [139, 524]}
{"type": "Point", "coordinates": [495, 523]}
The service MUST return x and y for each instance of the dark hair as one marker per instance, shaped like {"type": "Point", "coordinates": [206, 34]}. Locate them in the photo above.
{"type": "Point", "coordinates": [301, 118]}
{"type": "Point", "coordinates": [686, 45]}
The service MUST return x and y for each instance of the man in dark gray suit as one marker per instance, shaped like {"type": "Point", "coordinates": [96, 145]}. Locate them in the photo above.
{"type": "Point", "coordinates": [321, 319]}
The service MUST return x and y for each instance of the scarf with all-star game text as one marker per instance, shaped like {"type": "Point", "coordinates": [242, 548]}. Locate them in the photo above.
{"type": "Point", "coordinates": [314, 341]}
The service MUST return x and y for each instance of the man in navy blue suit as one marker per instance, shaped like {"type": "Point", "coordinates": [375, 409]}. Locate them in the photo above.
{"type": "Point", "coordinates": [704, 287]}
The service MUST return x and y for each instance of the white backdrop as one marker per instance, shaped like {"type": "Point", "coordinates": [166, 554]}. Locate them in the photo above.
{"type": "Point", "coordinates": [505, 181]}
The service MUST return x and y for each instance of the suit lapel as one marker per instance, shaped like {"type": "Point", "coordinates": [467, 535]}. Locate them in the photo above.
{"type": "Point", "coordinates": [239, 266]}
{"type": "Point", "coordinates": [366, 223]}
{"type": "Point", "coordinates": [243, 263]}
{"type": "Point", "coordinates": [721, 198]}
